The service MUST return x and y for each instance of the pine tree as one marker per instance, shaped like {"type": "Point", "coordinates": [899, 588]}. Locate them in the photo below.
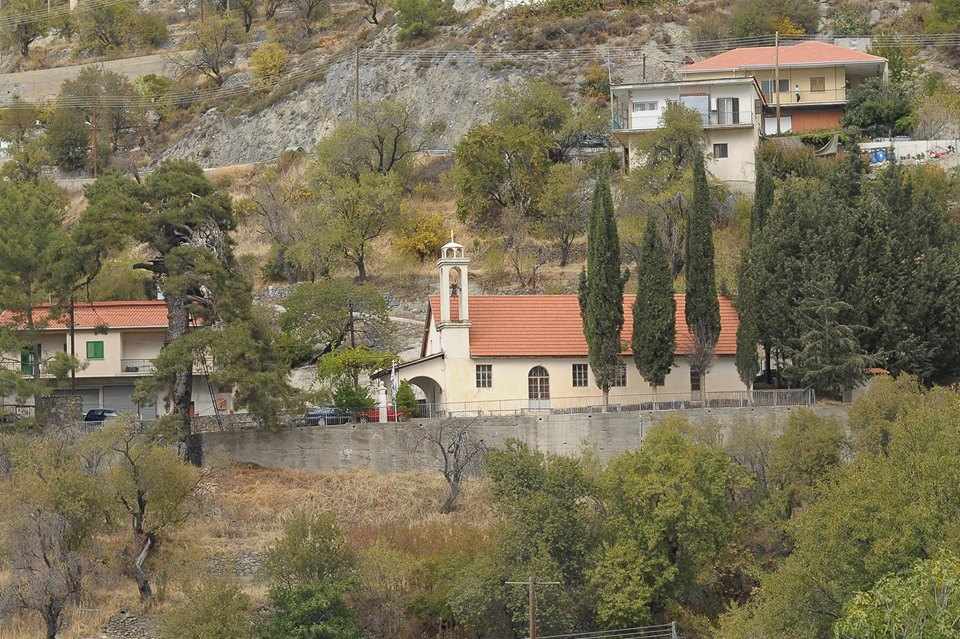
{"type": "Point", "coordinates": [601, 290]}
{"type": "Point", "coordinates": [654, 321]}
{"type": "Point", "coordinates": [702, 307]}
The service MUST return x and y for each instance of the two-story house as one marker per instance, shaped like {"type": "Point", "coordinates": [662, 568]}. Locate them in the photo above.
{"type": "Point", "coordinates": [727, 107]}
{"type": "Point", "coordinates": [737, 99]}
{"type": "Point", "coordinates": [116, 343]}
{"type": "Point", "coordinates": [812, 80]}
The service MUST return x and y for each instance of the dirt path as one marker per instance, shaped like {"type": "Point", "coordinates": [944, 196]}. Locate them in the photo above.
{"type": "Point", "coordinates": [45, 83]}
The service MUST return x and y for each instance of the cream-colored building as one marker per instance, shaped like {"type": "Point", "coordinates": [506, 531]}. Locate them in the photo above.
{"type": "Point", "coordinates": [737, 94]}
{"type": "Point", "coordinates": [810, 80]}
{"type": "Point", "coordinates": [485, 354]}
{"type": "Point", "coordinates": [730, 109]}
{"type": "Point", "coordinates": [116, 343]}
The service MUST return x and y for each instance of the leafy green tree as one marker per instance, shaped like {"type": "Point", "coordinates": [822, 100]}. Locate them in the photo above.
{"type": "Point", "coordinates": [498, 170]}
{"type": "Point", "coordinates": [545, 502]}
{"type": "Point", "coordinates": [761, 17]}
{"type": "Point", "coordinates": [541, 106]}
{"type": "Point", "coordinates": [421, 234]}
{"type": "Point", "coordinates": [702, 308]}
{"type": "Point", "coordinates": [68, 138]}
{"type": "Point", "coordinates": [102, 27]}
{"type": "Point", "coordinates": [21, 23]}
{"type": "Point", "coordinates": [418, 19]}
{"type": "Point", "coordinates": [103, 94]}
{"type": "Point", "coordinates": [601, 290]}
{"type": "Point", "coordinates": [151, 488]}
{"type": "Point", "coordinates": [563, 206]}
{"type": "Point", "coordinates": [878, 108]}
{"type": "Point", "coordinates": [923, 603]}
{"type": "Point", "coordinates": [671, 513]}
{"type": "Point", "coordinates": [809, 450]}
{"type": "Point", "coordinates": [310, 569]}
{"type": "Point", "coordinates": [351, 363]}
{"type": "Point", "coordinates": [879, 515]}
{"type": "Point", "coordinates": [18, 121]}
{"type": "Point", "coordinates": [654, 323]}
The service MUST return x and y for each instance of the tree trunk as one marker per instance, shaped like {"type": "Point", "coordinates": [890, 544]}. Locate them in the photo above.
{"type": "Point", "coordinates": [564, 252]}
{"type": "Point", "coordinates": [767, 372]}
{"type": "Point", "coordinates": [51, 618]}
{"type": "Point", "coordinates": [178, 318]}
{"type": "Point", "coordinates": [606, 399]}
{"type": "Point", "coordinates": [361, 269]}
{"type": "Point", "coordinates": [450, 503]}
{"type": "Point", "coordinates": [143, 584]}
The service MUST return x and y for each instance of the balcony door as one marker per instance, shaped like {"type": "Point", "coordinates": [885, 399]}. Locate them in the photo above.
{"type": "Point", "coordinates": [728, 111]}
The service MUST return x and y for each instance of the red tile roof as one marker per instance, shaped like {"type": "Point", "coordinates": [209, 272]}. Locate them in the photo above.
{"type": "Point", "coordinates": [550, 325]}
{"type": "Point", "coordinates": [119, 314]}
{"type": "Point", "coordinates": [804, 53]}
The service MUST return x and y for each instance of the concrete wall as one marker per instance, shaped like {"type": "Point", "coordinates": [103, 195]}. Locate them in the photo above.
{"type": "Point", "coordinates": [392, 447]}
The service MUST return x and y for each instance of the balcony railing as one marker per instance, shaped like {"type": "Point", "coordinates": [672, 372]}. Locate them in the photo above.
{"type": "Point", "coordinates": [789, 98]}
{"type": "Point", "coordinates": [137, 366]}
{"type": "Point", "coordinates": [653, 120]}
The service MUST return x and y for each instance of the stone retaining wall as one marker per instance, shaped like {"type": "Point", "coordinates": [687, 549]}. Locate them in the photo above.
{"type": "Point", "coordinates": [393, 447]}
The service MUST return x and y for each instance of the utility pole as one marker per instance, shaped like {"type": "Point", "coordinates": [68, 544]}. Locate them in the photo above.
{"type": "Point", "coordinates": [776, 74]}
{"type": "Point", "coordinates": [96, 140]}
{"type": "Point", "coordinates": [356, 85]}
{"type": "Point", "coordinates": [531, 585]}
{"type": "Point", "coordinates": [644, 72]}
{"type": "Point", "coordinates": [73, 342]}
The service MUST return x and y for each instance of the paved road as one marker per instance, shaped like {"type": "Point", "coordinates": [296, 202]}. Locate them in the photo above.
{"type": "Point", "coordinates": [45, 83]}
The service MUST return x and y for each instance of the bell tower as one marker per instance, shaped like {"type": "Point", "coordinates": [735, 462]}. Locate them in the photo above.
{"type": "Point", "coordinates": [454, 284]}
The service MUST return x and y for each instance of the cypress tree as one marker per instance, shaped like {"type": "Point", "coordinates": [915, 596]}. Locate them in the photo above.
{"type": "Point", "coordinates": [762, 194]}
{"type": "Point", "coordinates": [748, 331]}
{"type": "Point", "coordinates": [654, 321]}
{"type": "Point", "coordinates": [702, 307]}
{"type": "Point", "coordinates": [601, 289]}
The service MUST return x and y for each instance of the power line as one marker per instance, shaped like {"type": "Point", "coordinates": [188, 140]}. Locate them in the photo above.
{"type": "Point", "coordinates": [312, 70]}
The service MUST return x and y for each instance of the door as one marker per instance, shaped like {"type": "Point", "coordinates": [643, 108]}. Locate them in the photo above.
{"type": "Point", "coordinates": [120, 399]}
{"type": "Point", "coordinates": [538, 388]}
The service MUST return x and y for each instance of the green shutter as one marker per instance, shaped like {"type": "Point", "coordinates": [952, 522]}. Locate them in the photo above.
{"type": "Point", "coordinates": [26, 362]}
{"type": "Point", "coordinates": [94, 350]}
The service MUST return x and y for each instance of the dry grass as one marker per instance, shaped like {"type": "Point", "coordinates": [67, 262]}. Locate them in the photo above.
{"type": "Point", "coordinates": [242, 512]}
{"type": "Point", "coordinates": [247, 505]}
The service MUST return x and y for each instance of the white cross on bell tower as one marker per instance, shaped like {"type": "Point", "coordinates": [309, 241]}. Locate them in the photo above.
{"type": "Point", "coordinates": [453, 262]}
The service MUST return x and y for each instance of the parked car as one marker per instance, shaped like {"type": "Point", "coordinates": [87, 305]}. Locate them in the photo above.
{"type": "Point", "coordinates": [325, 416]}
{"type": "Point", "coordinates": [100, 415]}
{"type": "Point", "coordinates": [373, 414]}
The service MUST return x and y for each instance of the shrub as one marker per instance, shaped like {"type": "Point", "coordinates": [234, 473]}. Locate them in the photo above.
{"type": "Point", "coordinates": [352, 397]}
{"type": "Point", "coordinates": [850, 18]}
{"type": "Point", "coordinates": [267, 63]}
{"type": "Point", "coordinates": [150, 30]}
{"type": "Point", "coordinates": [406, 401]}
{"type": "Point", "coordinates": [596, 84]}
{"type": "Point", "coordinates": [418, 18]}
{"type": "Point", "coordinates": [212, 609]}
{"type": "Point", "coordinates": [422, 235]}
{"type": "Point", "coordinates": [67, 139]}
{"type": "Point", "coordinates": [760, 17]}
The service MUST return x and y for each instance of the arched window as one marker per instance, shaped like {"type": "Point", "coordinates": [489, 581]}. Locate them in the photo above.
{"type": "Point", "coordinates": [538, 383]}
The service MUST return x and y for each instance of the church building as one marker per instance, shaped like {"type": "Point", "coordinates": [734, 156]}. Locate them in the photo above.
{"type": "Point", "coordinates": [488, 353]}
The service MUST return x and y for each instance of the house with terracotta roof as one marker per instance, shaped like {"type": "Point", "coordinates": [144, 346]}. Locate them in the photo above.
{"type": "Point", "coordinates": [735, 94]}
{"type": "Point", "coordinates": [813, 80]}
{"type": "Point", "coordinates": [116, 343]}
{"type": "Point", "coordinates": [490, 353]}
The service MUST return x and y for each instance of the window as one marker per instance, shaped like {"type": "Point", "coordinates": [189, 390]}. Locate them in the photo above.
{"type": "Point", "coordinates": [94, 350]}
{"type": "Point", "coordinates": [694, 380]}
{"type": "Point", "coordinates": [767, 86]}
{"type": "Point", "coordinates": [728, 111]}
{"type": "Point", "coordinates": [484, 375]}
{"type": "Point", "coordinates": [580, 378]}
{"type": "Point", "coordinates": [719, 151]}
{"type": "Point", "coordinates": [644, 106]}
{"type": "Point", "coordinates": [621, 378]}
{"type": "Point", "coordinates": [818, 84]}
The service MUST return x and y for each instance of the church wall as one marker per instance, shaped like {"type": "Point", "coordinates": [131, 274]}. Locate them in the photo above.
{"type": "Point", "coordinates": [510, 380]}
